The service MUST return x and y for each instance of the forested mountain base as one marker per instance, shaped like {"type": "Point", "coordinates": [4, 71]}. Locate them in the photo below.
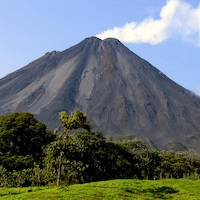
{"type": "Point", "coordinates": [81, 157]}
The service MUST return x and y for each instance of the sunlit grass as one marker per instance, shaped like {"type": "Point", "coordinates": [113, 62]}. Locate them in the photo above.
{"type": "Point", "coordinates": [114, 189]}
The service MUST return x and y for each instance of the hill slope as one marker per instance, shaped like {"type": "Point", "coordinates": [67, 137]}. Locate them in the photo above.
{"type": "Point", "coordinates": [122, 93]}
{"type": "Point", "coordinates": [114, 189]}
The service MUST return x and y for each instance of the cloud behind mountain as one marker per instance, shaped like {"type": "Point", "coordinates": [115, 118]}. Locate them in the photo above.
{"type": "Point", "coordinates": [177, 19]}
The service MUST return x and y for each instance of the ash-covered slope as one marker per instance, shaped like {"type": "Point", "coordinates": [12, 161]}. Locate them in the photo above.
{"type": "Point", "coordinates": [122, 93]}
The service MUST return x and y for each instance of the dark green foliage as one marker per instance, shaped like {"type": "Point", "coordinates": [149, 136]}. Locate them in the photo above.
{"type": "Point", "coordinates": [17, 162]}
{"type": "Point", "coordinates": [34, 176]}
{"type": "Point", "coordinates": [22, 139]}
{"type": "Point", "coordinates": [22, 134]}
{"type": "Point", "coordinates": [174, 164]}
{"type": "Point", "coordinates": [89, 150]}
{"type": "Point", "coordinates": [32, 156]}
{"type": "Point", "coordinates": [88, 157]}
{"type": "Point", "coordinates": [4, 177]}
{"type": "Point", "coordinates": [149, 164]}
{"type": "Point", "coordinates": [103, 160]}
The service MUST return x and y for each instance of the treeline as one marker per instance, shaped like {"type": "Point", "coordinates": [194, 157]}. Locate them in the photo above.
{"type": "Point", "coordinates": [31, 155]}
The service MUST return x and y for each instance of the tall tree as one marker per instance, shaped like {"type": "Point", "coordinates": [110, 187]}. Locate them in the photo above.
{"type": "Point", "coordinates": [76, 120]}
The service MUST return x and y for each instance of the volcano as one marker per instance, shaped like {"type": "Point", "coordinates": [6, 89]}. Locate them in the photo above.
{"type": "Point", "coordinates": [120, 92]}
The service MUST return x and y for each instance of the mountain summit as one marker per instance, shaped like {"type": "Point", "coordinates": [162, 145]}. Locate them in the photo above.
{"type": "Point", "coordinates": [121, 93]}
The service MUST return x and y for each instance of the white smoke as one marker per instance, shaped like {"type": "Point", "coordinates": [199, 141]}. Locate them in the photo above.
{"type": "Point", "coordinates": [177, 18]}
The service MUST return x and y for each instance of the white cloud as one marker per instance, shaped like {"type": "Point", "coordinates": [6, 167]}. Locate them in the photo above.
{"type": "Point", "coordinates": [177, 18]}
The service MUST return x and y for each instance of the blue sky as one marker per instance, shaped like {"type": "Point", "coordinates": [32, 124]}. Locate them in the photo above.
{"type": "Point", "coordinates": [165, 33]}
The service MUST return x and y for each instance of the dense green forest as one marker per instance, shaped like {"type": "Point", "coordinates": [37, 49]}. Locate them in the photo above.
{"type": "Point", "coordinates": [30, 155]}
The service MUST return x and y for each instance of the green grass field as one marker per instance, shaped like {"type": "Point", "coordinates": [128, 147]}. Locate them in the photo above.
{"type": "Point", "coordinates": [115, 189]}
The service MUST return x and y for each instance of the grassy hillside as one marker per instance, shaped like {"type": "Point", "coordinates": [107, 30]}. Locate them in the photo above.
{"type": "Point", "coordinates": [114, 189]}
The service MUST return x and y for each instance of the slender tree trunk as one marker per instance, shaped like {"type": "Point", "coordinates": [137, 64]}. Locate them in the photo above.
{"type": "Point", "coordinates": [59, 168]}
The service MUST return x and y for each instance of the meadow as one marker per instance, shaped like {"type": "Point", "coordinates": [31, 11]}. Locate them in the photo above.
{"type": "Point", "coordinates": [113, 189]}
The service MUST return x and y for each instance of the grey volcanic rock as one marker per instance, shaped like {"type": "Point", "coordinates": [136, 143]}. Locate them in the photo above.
{"type": "Point", "coordinates": [122, 93]}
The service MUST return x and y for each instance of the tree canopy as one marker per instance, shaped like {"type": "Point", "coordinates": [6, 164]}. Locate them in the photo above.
{"type": "Point", "coordinates": [76, 120]}
{"type": "Point", "coordinates": [22, 137]}
{"type": "Point", "coordinates": [32, 155]}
